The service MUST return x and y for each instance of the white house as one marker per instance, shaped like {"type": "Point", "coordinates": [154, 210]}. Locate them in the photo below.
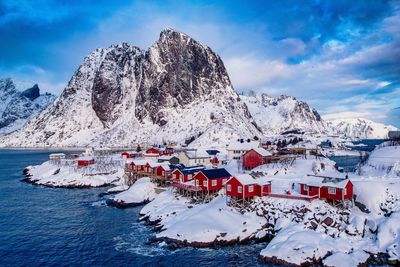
{"type": "Point", "coordinates": [236, 149]}
{"type": "Point", "coordinates": [194, 157]}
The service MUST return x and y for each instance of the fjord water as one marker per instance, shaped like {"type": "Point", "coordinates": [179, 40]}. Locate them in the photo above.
{"type": "Point", "coordinates": [58, 227]}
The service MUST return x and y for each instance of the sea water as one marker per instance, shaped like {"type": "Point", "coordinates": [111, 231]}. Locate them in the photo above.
{"type": "Point", "coordinates": [42, 226]}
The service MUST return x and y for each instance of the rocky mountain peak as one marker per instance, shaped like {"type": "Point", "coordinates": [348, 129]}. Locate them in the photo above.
{"type": "Point", "coordinates": [31, 93]}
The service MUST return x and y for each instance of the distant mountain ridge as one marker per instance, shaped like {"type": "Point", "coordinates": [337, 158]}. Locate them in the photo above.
{"type": "Point", "coordinates": [276, 115]}
{"type": "Point", "coordinates": [360, 128]}
{"type": "Point", "coordinates": [16, 107]}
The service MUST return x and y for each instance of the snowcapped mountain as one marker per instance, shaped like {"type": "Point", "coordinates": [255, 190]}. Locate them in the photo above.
{"type": "Point", "coordinates": [282, 114]}
{"type": "Point", "coordinates": [16, 107]}
{"type": "Point", "coordinates": [360, 128]}
{"type": "Point", "coordinates": [176, 90]}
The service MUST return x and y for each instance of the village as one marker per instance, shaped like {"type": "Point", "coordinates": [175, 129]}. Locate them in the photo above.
{"type": "Point", "coordinates": [202, 174]}
{"type": "Point", "coordinates": [248, 191]}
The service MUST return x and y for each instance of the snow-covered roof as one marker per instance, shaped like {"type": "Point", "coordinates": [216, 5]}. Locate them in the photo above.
{"type": "Point", "coordinates": [236, 145]}
{"type": "Point", "coordinates": [197, 154]}
{"type": "Point", "coordinates": [57, 155]}
{"type": "Point", "coordinates": [165, 157]}
{"type": "Point", "coordinates": [139, 162]}
{"type": "Point", "coordinates": [153, 164]}
{"type": "Point", "coordinates": [263, 181]}
{"type": "Point", "coordinates": [262, 151]}
{"type": "Point", "coordinates": [324, 182]}
{"type": "Point", "coordinates": [245, 179]}
{"type": "Point", "coordinates": [165, 166]}
{"type": "Point", "coordinates": [86, 158]}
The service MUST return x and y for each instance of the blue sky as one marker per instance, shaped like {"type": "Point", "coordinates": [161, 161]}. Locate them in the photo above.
{"type": "Point", "coordinates": [340, 56]}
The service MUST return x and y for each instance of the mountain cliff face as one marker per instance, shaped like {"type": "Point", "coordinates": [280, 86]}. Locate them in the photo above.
{"type": "Point", "coordinates": [282, 114]}
{"type": "Point", "coordinates": [16, 107]}
{"type": "Point", "coordinates": [176, 90]}
{"type": "Point", "coordinates": [360, 128]}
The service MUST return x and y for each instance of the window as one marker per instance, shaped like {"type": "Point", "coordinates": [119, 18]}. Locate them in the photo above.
{"type": "Point", "coordinates": [197, 182]}
{"type": "Point", "coordinates": [306, 188]}
{"type": "Point", "coordinates": [181, 177]}
{"type": "Point", "coordinates": [205, 183]}
{"type": "Point", "coordinates": [345, 191]}
{"type": "Point", "coordinates": [163, 173]}
{"type": "Point", "coordinates": [251, 188]}
{"type": "Point", "coordinates": [229, 188]}
{"type": "Point", "coordinates": [189, 177]}
{"type": "Point", "coordinates": [331, 191]}
{"type": "Point", "coordinates": [240, 189]}
{"type": "Point", "coordinates": [214, 183]}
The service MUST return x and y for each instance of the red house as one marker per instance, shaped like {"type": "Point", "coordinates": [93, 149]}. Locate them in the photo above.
{"type": "Point", "coordinates": [85, 161]}
{"type": "Point", "coordinates": [336, 189]}
{"type": "Point", "coordinates": [163, 171]}
{"type": "Point", "coordinates": [152, 152]}
{"type": "Point", "coordinates": [137, 165]}
{"type": "Point", "coordinates": [212, 179]}
{"type": "Point", "coordinates": [255, 157]}
{"type": "Point", "coordinates": [244, 186]}
{"type": "Point", "coordinates": [184, 175]}
{"type": "Point", "coordinates": [130, 154]}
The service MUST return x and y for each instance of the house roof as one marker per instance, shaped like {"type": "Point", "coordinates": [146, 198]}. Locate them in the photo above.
{"type": "Point", "coordinates": [216, 173]}
{"type": "Point", "coordinates": [236, 145]}
{"type": "Point", "coordinates": [245, 179]}
{"type": "Point", "coordinates": [212, 152]}
{"type": "Point", "coordinates": [262, 151]}
{"type": "Point", "coordinates": [86, 158]}
{"type": "Point", "coordinates": [139, 162]}
{"type": "Point", "coordinates": [165, 166]}
{"type": "Point", "coordinates": [197, 154]}
{"type": "Point", "coordinates": [324, 182]}
{"type": "Point", "coordinates": [191, 170]}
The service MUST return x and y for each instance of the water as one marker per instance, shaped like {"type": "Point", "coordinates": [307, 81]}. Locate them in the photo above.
{"type": "Point", "coordinates": [48, 227]}
{"type": "Point", "coordinates": [349, 163]}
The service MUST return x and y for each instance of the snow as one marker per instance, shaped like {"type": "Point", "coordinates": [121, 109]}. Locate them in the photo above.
{"type": "Point", "coordinates": [68, 176]}
{"type": "Point", "coordinates": [245, 179]}
{"type": "Point", "coordinates": [346, 259]}
{"type": "Point", "coordinates": [359, 128]}
{"type": "Point", "coordinates": [242, 146]}
{"type": "Point", "coordinates": [296, 245]}
{"type": "Point", "coordinates": [389, 236]}
{"type": "Point", "coordinates": [210, 221]}
{"type": "Point", "coordinates": [141, 191]}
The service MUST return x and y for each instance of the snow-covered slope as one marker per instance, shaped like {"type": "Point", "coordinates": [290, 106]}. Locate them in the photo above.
{"type": "Point", "coordinates": [120, 95]}
{"type": "Point", "coordinates": [284, 113]}
{"type": "Point", "coordinates": [16, 107]}
{"type": "Point", "coordinates": [360, 128]}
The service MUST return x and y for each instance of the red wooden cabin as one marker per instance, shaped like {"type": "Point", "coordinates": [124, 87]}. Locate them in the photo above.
{"type": "Point", "coordinates": [212, 179]}
{"type": "Point", "coordinates": [137, 165]}
{"type": "Point", "coordinates": [164, 171]}
{"type": "Point", "coordinates": [255, 157]}
{"type": "Point", "coordinates": [186, 174]}
{"type": "Point", "coordinates": [337, 189]}
{"type": "Point", "coordinates": [245, 186]}
{"type": "Point", "coordinates": [85, 161]}
{"type": "Point", "coordinates": [130, 154]}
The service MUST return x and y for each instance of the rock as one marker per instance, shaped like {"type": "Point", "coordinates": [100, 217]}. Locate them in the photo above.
{"type": "Point", "coordinates": [328, 221]}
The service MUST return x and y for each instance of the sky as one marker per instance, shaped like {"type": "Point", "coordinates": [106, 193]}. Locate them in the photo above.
{"type": "Point", "coordinates": [342, 57]}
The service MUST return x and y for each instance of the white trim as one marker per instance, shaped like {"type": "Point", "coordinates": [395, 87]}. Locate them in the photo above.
{"type": "Point", "coordinates": [229, 188]}
{"type": "Point", "coordinates": [240, 189]}
{"type": "Point", "coordinates": [251, 188]}
{"type": "Point", "coordinates": [331, 190]}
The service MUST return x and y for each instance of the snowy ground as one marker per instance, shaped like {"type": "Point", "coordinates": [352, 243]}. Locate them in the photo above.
{"type": "Point", "coordinates": [56, 175]}
{"type": "Point", "coordinates": [142, 191]}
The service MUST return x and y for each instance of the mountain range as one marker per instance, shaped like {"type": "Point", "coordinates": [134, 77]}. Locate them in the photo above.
{"type": "Point", "coordinates": [17, 107]}
{"type": "Point", "coordinates": [178, 90]}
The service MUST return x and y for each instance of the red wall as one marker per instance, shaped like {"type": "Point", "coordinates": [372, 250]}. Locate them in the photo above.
{"type": "Point", "coordinates": [83, 163]}
{"type": "Point", "coordinates": [200, 178]}
{"type": "Point", "coordinates": [159, 171]}
{"type": "Point", "coordinates": [312, 190]}
{"type": "Point", "coordinates": [324, 192]}
{"type": "Point", "coordinates": [152, 150]}
{"type": "Point", "coordinates": [176, 176]}
{"type": "Point", "coordinates": [252, 159]}
{"type": "Point", "coordinates": [234, 190]}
